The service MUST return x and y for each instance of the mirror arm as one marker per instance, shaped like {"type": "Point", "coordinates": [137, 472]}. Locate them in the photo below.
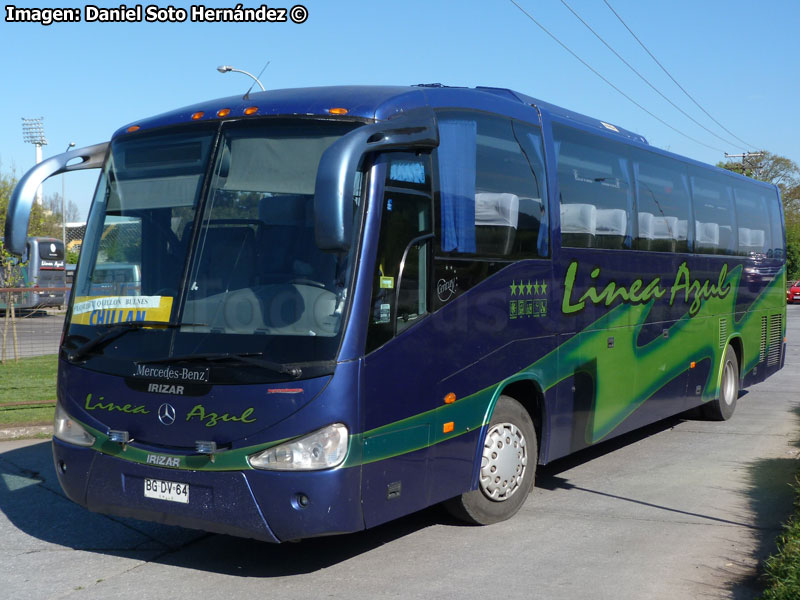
{"type": "Point", "coordinates": [333, 205]}
{"type": "Point", "coordinates": [21, 201]}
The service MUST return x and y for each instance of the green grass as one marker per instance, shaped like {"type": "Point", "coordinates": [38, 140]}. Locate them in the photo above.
{"type": "Point", "coordinates": [28, 380]}
{"type": "Point", "coordinates": [783, 568]}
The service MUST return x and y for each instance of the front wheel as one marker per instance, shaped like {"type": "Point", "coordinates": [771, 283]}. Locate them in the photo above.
{"type": "Point", "coordinates": [722, 408]}
{"type": "Point", "coordinates": [508, 467]}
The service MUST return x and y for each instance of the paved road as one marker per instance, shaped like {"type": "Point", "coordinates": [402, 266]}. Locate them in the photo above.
{"type": "Point", "coordinates": [685, 509]}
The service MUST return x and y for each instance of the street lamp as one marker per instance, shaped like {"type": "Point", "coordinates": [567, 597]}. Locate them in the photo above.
{"type": "Point", "coordinates": [64, 209]}
{"type": "Point", "coordinates": [227, 69]}
{"type": "Point", "coordinates": [33, 133]}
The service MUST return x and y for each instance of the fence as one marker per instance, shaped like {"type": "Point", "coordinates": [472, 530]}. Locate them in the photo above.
{"type": "Point", "coordinates": [30, 331]}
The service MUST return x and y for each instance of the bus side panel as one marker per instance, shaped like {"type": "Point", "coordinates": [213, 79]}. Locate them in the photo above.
{"type": "Point", "coordinates": [631, 362]}
{"type": "Point", "coordinates": [616, 368]}
{"type": "Point", "coordinates": [456, 462]}
{"type": "Point", "coordinates": [398, 399]}
{"type": "Point", "coordinates": [417, 449]}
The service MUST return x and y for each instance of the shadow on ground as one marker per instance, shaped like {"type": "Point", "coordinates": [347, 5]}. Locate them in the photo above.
{"type": "Point", "coordinates": [32, 500]}
{"type": "Point", "coordinates": [770, 496]}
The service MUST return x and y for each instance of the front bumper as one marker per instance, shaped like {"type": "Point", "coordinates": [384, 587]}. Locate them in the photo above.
{"type": "Point", "coordinates": [245, 503]}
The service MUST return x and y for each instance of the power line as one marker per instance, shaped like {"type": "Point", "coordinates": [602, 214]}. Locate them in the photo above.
{"type": "Point", "coordinates": [663, 68]}
{"type": "Point", "coordinates": [643, 78]}
{"type": "Point", "coordinates": [593, 70]}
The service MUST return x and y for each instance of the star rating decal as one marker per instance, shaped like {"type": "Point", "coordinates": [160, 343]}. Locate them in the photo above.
{"type": "Point", "coordinates": [529, 299]}
{"type": "Point", "coordinates": [528, 288]}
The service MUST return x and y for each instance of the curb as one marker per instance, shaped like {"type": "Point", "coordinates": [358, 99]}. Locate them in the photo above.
{"type": "Point", "coordinates": [19, 433]}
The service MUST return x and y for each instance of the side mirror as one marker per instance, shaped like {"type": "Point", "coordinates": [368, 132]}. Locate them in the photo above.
{"type": "Point", "coordinates": [333, 198]}
{"type": "Point", "coordinates": [19, 205]}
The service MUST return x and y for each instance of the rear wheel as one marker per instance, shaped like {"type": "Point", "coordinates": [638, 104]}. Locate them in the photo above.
{"type": "Point", "coordinates": [508, 467]}
{"type": "Point", "coordinates": [722, 408]}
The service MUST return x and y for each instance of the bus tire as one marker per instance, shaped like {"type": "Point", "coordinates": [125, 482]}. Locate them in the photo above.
{"type": "Point", "coordinates": [722, 408]}
{"type": "Point", "coordinates": [508, 468]}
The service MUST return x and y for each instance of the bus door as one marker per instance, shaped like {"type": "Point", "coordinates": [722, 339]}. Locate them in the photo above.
{"type": "Point", "coordinates": [400, 365]}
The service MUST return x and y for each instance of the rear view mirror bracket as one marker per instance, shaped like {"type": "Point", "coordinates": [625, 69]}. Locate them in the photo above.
{"type": "Point", "coordinates": [21, 201]}
{"type": "Point", "coordinates": [333, 200]}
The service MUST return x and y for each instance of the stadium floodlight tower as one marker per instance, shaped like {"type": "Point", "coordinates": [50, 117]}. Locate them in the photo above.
{"type": "Point", "coordinates": [33, 133]}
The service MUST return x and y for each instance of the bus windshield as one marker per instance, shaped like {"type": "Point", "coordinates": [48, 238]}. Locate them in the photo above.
{"type": "Point", "coordinates": [211, 232]}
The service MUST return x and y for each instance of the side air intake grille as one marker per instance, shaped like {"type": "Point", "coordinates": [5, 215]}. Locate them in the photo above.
{"type": "Point", "coordinates": [775, 345]}
{"type": "Point", "coordinates": [762, 355]}
{"type": "Point", "coordinates": [723, 332]}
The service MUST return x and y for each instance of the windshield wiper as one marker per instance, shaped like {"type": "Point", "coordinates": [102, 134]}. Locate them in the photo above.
{"type": "Point", "coordinates": [118, 330]}
{"type": "Point", "coordinates": [248, 358]}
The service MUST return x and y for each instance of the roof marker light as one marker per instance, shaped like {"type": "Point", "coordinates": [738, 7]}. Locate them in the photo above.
{"type": "Point", "coordinates": [450, 398]}
{"type": "Point", "coordinates": [223, 112]}
{"type": "Point", "coordinates": [338, 111]}
{"type": "Point", "coordinates": [133, 128]}
{"type": "Point", "coordinates": [198, 115]}
{"type": "Point", "coordinates": [251, 110]}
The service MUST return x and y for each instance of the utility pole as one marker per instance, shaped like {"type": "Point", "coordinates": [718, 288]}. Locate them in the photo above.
{"type": "Point", "coordinates": [747, 163]}
{"type": "Point", "coordinates": [33, 132]}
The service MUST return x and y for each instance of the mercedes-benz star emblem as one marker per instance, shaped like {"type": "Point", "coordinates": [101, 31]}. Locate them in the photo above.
{"type": "Point", "coordinates": [166, 414]}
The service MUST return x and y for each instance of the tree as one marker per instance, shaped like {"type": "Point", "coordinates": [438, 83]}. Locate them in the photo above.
{"type": "Point", "coordinates": [785, 173]}
{"type": "Point", "coordinates": [769, 167]}
{"type": "Point", "coordinates": [45, 219]}
{"type": "Point", "coordinates": [7, 183]}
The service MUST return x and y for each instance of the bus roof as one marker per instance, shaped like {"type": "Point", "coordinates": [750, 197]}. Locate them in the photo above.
{"type": "Point", "coordinates": [380, 102]}
{"type": "Point", "coordinates": [377, 103]}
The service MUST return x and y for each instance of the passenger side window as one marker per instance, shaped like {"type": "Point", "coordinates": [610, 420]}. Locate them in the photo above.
{"type": "Point", "coordinates": [778, 247]}
{"type": "Point", "coordinates": [595, 190]}
{"type": "Point", "coordinates": [663, 203]}
{"type": "Point", "coordinates": [492, 197]}
{"type": "Point", "coordinates": [714, 221]}
{"type": "Point", "coordinates": [752, 215]}
{"type": "Point", "coordinates": [400, 284]}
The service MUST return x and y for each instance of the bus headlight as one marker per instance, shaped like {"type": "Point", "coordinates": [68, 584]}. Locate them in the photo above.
{"type": "Point", "coordinates": [67, 430]}
{"type": "Point", "coordinates": [323, 449]}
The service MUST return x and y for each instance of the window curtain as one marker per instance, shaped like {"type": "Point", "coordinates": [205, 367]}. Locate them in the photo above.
{"type": "Point", "coordinates": [687, 187]}
{"type": "Point", "coordinates": [637, 233]}
{"type": "Point", "coordinates": [457, 148]}
{"type": "Point", "coordinates": [731, 209]}
{"type": "Point", "coordinates": [535, 141]}
{"type": "Point", "coordinates": [626, 175]}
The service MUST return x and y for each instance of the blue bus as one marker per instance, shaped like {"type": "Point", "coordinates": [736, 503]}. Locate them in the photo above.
{"type": "Point", "coordinates": [42, 270]}
{"type": "Point", "coordinates": [355, 302]}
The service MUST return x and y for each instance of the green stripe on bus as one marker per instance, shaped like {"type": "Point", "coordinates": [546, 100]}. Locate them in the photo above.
{"type": "Point", "coordinates": [629, 371]}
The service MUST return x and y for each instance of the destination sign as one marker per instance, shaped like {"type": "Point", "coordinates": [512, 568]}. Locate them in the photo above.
{"type": "Point", "coordinates": [107, 310]}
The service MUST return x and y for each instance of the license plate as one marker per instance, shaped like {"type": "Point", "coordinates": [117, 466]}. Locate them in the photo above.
{"type": "Point", "coordinates": [166, 490]}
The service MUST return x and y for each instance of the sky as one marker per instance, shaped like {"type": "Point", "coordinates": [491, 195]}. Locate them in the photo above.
{"type": "Point", "coordinates": [738, 59]}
